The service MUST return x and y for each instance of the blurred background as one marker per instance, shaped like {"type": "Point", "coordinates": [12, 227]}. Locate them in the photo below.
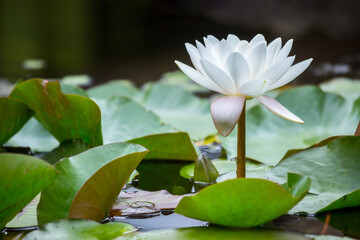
{"type": "Point", "coordinates": [140, 39]}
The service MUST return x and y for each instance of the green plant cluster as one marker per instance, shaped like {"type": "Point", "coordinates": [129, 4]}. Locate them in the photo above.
{"type": "Point", "coordinates": [88, 143]}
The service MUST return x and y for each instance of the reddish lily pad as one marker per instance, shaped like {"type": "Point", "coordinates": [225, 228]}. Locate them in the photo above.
{"type": "Point", "coordinates": [89, 182]}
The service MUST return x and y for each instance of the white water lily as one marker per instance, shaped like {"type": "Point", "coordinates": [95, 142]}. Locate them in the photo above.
{"type": "Point", "coordinates": [242, 70]}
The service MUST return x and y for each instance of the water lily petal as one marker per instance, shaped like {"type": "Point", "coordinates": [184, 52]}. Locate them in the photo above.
{"type": "Point", "coordinates": [194, 56]}
{"type": "Point", "coordinates": [272, 50]}
{"type": "Point", "coordinates": [277, 70]}
{"type": "Point", "coordinates": [278, 109]}
{"type": "Point", "coordinates": [284, 52]}
{"type": "Point", "coordinates": [291, 74]}
{"type": "Point", "coordinates": [257, 59]}
{"type": "Point", "coordinates": [204, 53]}
{"type": "Point", "coordinates": [211, 46]}
{"type": "Point", "coordinates": [225, 112]}
{"type": "Point", "coordinates": [224, 51]}
{"type": "Point", "coordinates": [243, 47]}
{"type": "Point", "coordinates": [199, 78]}
{"type": "Point", "coordinates": [213, 39]}
{"type": "Point", "coordinates": [220, 77]}
{"type": "Point", "coordinates": [238, 68]}
{"type": "Point", "coordinates": [254, 87]}
{"type": "Point", "coordinates": [259, 38]}
{"type": "Point", "coordinates": [233, 40]}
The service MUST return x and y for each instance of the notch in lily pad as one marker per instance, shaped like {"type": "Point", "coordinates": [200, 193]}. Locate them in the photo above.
{"type": "Point", "coordinates": [244, 202]}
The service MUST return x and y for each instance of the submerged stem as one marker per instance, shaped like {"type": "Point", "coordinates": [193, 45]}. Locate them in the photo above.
{"type": "Point", "coordinates": [241, 145]}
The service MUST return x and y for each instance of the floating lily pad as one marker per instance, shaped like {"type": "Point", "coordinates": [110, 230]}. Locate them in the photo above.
{"type": "Point", "coordinates": [227, 169]}
{"type": "Point", "coordinates": [65, 116]}
{"type": "Point", "coordinates": [22, 178]}
{"type": "Point", "coordinates": [113, 88]}
{"type": "Point", "coordinates": [347, 88]}
{"type": "Point", "coordinates": [65, 149]}
{"type": "Point", "coordinates": [335, 173]}
{"type": "Point", "coordinates": [89, 182]}
{"type": "Point", "coordinates": [171, 146]}
{"type": "Point", "coordinates": [14, 115]}
{"type": "Point", "coordinates": [27, 217]}
{"type": "Point", "coordinates": [80, 229]}
{"type": "Point", "coordinates": [213, 232]}
{"type": "Point", "coordinates": [244, 202]}
{"type": "Point", "coordinates": [70, 89]}
{"type": "Point", "coordinates": [180, 109]}
{"type": "Point", "coordinates": [269, 137]}
{"type": "Point", "coordinates": [35, 136]}
{"type": "Point", "coordinates": [143, 202]}
{"type": "Point", "coordinates": [125, 120]}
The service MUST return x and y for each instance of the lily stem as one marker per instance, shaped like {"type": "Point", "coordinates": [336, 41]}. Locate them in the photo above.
{"type": "Point", "coordinates": [240, 173]}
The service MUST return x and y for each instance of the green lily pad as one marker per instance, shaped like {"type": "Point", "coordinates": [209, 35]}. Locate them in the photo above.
{"type": "Point", "coordinates": [27, 217]}
{"type": "Point", "coordinates": [227, 170]}
{"type": "Point", "coordinates": [125, 120]}
{"type": "Point", "coordinates": [213, 232]}
{"type": "Point", "coordinates": [80, 229]}
{"type": "Point", "coordinates": [14, 115]}
{"type": "Point", "coordinates": [269, 137]}
{"type": "Point", "coordinates": [180, 109]}
{"type": "Point", "coordinates": [347, 88]}
{"type": "Point", "coordinates": [89, 182]}
{"type": "Point", "coordinates": [22, 178]}
{"type": "Point", "coordinates": [170, 146]}
{"type": "Point", "coordinates": [70, 89]}
{"type": "Point", "coordinates": [244, 202]}
{"type": "Point", "coordinates": [334, 170]}
{"type": "Point", "coordinates": [65, 149]}
{"type": "Point", "coordinates": [113, 88]}
{"type": "Point", "coordinates": [35, 136]}
{"type": "Point", "coordinates": [65, 116]}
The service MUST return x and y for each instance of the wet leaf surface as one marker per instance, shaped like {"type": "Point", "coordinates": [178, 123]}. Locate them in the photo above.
{"type": "Point", "coordinates": [14, 115]}
{"type": "Point", "coordinates": [244, 202]}
{"type": "Point", "coordinates": [65, 116]}
{"type": "Point", "coordinates": [80, 229]}
{"type": "Point", "coordinates": [335, 173]}
{"type": "Point", "coordinates": [89, 182]}
{"type": "Point", "coordinates": [143, 202]}
{"type": "Point", "coordinates": [269, 137]}
{"type": "Point", "coordinates": [24, 177]}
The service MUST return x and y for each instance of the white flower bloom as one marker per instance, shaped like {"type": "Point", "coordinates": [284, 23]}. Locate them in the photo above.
{"type": "Point", "coordinates": [241, 70]}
